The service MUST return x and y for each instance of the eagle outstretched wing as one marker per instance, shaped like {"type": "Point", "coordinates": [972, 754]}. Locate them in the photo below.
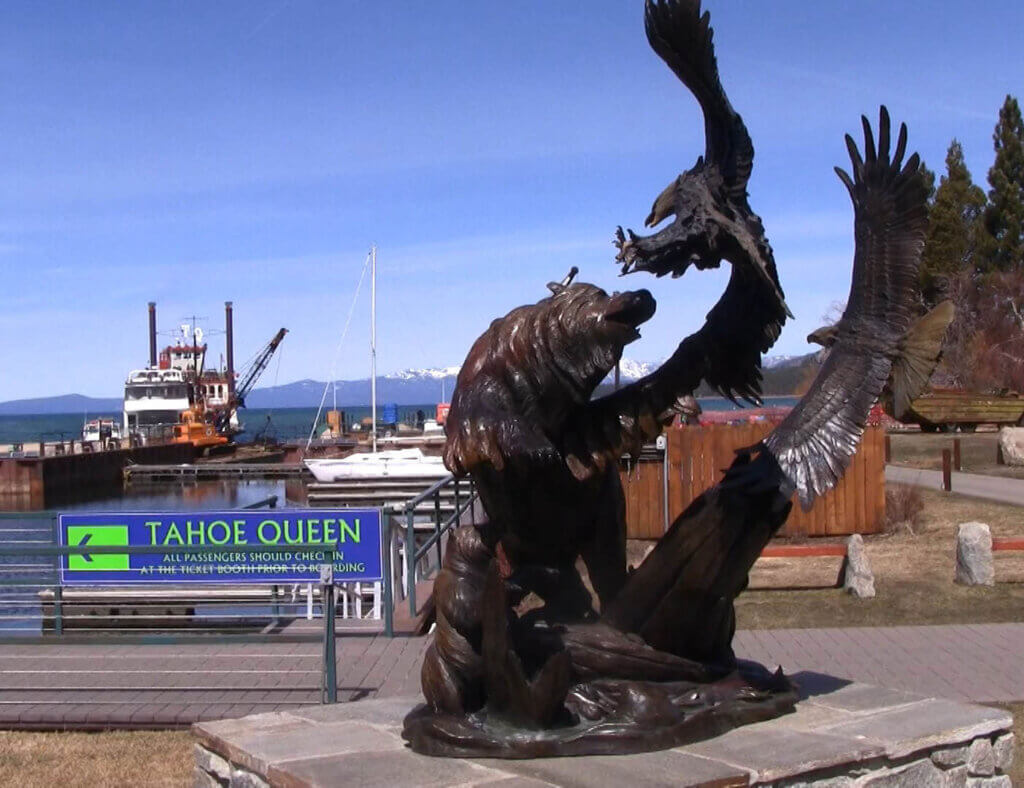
{"type": "Point", "coordinates": [814, 443]}
{"type": "Point", "coordinates": [725, 353]}
{"type": "Point", "coordinates": [682, 37]}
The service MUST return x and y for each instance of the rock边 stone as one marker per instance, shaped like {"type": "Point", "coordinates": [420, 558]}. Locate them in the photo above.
{"type": "Point", "coordinates": [913, 775]}
{"type": "Point", "coordinates": [1011, 442]}
{"type": "Point", "coordinates": [243, 778]}
{"type": "Point", "coordinates": [974, 566]}
{"type": "Point", "coordinates": [955, 777]}
{"type": "Point", "coordinates": [858, 579]}
{"type": "Point", "coordinates": [1000, 781]}
{"type": "Point", "coordinates": [211, 762]}
{"type": "Point", "coordinates": [980, 758]}
{"type": "Point", "coordinates": [203, 779]}
{"type": "Point", "coordinates": [1003, 751]}
{"type": "Point", "coordinates": [951, 756]}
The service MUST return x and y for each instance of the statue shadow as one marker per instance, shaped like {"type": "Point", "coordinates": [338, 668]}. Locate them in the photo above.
{"type": "Point", "coordinates": [810, 683]}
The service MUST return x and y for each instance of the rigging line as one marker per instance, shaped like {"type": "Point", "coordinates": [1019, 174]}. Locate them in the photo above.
{"type": "Point", "coordinates": [337, 352]}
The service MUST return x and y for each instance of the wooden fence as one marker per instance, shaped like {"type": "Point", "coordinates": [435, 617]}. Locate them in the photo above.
{"type": "Point", "coordinates": [698, 456]}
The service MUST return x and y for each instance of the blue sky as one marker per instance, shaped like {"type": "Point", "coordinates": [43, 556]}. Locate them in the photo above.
{"type": "Point", "coordinates": [196, 152]}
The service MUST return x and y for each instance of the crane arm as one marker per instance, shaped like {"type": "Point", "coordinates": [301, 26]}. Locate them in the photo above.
{"type": "Point", "coordinates": [252, 374]}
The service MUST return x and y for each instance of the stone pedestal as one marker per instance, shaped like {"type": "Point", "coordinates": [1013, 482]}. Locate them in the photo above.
{"type": "Point", "coordinates": [842, 734]}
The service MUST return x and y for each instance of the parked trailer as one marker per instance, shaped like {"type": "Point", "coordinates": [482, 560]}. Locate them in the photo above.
{"type": "Point", "coordinates": [950, 409]}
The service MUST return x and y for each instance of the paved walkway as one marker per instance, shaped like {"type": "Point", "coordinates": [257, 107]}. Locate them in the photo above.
{"type": "Point", "coordinates": [93, 686]}
{"type": "Point", "coordinates": [994, 488]}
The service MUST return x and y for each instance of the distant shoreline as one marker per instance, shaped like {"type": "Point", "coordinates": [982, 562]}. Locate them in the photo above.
{"type": "Point", "coordinates": [104, 412]}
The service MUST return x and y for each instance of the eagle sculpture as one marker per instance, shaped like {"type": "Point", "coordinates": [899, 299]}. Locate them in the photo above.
{"type": "Point", "coordinates": [712, 219]}
{"type": "Point", "coordinates": [648, 663]}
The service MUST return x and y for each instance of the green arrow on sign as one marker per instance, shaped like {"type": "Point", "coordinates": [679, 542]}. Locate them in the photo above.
{"type": "Point", "coordinates": [98, 536]}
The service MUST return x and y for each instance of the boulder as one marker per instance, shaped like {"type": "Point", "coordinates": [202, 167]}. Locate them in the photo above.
{"type": "Point", "coordinates": [1011, 442]}
{"type": "Point", "coordinates": [974, 565]}
{"type": "Point", "coordinates": [858, 579]}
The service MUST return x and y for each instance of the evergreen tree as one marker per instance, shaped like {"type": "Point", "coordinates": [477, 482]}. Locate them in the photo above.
{"type": "Point", "coordinates": [929, 179]}
{"type": "Point", "coordinates": [953, 228]}
{"type": "Point", "coordinates": [1004, 219]}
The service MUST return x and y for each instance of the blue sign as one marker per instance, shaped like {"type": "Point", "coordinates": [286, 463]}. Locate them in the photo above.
{"type": "Point", "coordinates": [240, 541]}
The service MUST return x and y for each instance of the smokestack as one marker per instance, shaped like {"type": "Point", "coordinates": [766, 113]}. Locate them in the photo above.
{"type": "Point", "coordinates": [229, 329]}
{"type": "Point", "coordinates": [152, 333]}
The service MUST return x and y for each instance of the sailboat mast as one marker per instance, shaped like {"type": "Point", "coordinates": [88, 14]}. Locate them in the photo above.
{"type": "Point", "coordinates": [373, 343]}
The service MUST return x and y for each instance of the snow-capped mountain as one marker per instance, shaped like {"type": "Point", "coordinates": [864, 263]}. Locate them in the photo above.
{"type": "Point", "coordinates": [634, 370]}
{"type": "Point", "coordinates": [424, 374]}
{"type": "Point", "coordinates": [770, 362]}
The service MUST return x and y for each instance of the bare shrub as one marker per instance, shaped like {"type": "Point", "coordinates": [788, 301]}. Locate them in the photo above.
{"type": "Point", "coordinates": [904, 507]}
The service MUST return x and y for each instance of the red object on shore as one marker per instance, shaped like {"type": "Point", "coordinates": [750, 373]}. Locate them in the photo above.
{"type": "Point", "coordinates": [770, 414]}
{"type": "Point", "coordinates": [803, 550]}
{"type": "Point", "coordinates": [442, 411]}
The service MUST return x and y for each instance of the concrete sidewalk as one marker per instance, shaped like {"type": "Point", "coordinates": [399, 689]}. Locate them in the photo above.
{"type": "Point", "coordinates": [87, 686]}
{"type": "Point", "coordinates": [993, 488]}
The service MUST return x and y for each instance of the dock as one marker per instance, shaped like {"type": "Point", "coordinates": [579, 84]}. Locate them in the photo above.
{"type": "Point", "coordinates": [28, 482]}
{"type": "Point", "coordinates": [217, 470]}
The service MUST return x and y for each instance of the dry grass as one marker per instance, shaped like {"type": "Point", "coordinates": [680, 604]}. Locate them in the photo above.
{"type": "Point", "coordinates": [1017, 770]}
{"type": "Point", "coordinates": [913, 577]}
{"type": "Point", "coordinates": [977, 452]}
{"type": "Point", "coordinates": [904, 508]}
{"type": "Point", "coordinates": [117, 758]}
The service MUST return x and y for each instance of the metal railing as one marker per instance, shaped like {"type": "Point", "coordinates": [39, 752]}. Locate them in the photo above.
{"type": "Point", "coordinates": [465, 497]}
{"type": "Point", "coordinates": [35, 607]}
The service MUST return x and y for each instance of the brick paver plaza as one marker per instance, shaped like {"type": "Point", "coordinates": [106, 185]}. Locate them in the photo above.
{"type": "Point", "coordinates": [94, 686]}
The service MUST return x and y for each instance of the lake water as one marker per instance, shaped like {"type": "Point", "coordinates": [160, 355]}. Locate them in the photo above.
{"type": "Point", "coordinates": [280, 423]}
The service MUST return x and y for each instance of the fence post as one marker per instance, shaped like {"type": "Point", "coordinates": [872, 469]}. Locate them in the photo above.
{"type": "Point", "coordinates": [947, 471]}
{"type": "Point", "coordinates": [330, 667]}
{"type": "Point", "coordinates": [389, 577]}
{"type": "Point", "coordinates": [410, 561]}
{"type": "Point", "coordinates": [437, 526]}
{"type": "Point", "coordinates": [58, 613]}
{"type": "Point", "coordinates": [58, 591]}
{"type": "Point", "coordinates": [664, 483]}
{"type": "Point", "coordinates": [888, 448]}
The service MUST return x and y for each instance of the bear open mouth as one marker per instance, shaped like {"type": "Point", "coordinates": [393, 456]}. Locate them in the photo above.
{"type": "Point", "coordinates": [630, 310]}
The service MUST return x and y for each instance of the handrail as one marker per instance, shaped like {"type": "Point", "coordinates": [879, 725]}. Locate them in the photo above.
{"type": "Point", "coordinates": [435, 487]}
{"type": "Point", "coordinates": [269, 502]}
{"type": "Point", "coordinates": [328, 666]}
{"type": "Point", "coordinates": [445, 526]}
{"type": "Point", "coordinates": [414, 554]}
{"type": "Point", "coordinates": [145, 549]}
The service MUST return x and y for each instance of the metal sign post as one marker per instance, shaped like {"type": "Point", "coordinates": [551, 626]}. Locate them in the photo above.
{"type": "Point", "coordinates": [329, 693]}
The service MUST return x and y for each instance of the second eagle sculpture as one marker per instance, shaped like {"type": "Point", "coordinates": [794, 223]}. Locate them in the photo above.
{"type": "Point", "coordinates": [649, 663]}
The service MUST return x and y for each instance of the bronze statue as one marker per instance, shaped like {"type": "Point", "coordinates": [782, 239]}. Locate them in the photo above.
{"type": "Point", "coordinates": [648, 663]}
{"type": "Point", "coordinates": [713, 220]}
{"type": "Point", "coordinates": [919, 354]}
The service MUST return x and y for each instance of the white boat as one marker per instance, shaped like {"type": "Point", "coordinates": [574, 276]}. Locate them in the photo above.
{"type": "Point", "coordinates": [399, 463]}
{"type": "Point", "coordinates": [106, 432]}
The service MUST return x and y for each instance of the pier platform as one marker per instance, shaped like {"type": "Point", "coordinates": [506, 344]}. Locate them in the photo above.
{"type": "Point", "coordinates": [68, 685]}
{"type": "Point", "coordinates": [27, 482]}
{"type": "Point", "coordinates": [217, 470]}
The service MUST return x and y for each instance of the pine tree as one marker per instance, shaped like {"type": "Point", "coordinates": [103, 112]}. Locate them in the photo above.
{"type": "Point", "coordinates": [953, 228]}
{"type": "Point", "coordinates": [1004, 219]}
